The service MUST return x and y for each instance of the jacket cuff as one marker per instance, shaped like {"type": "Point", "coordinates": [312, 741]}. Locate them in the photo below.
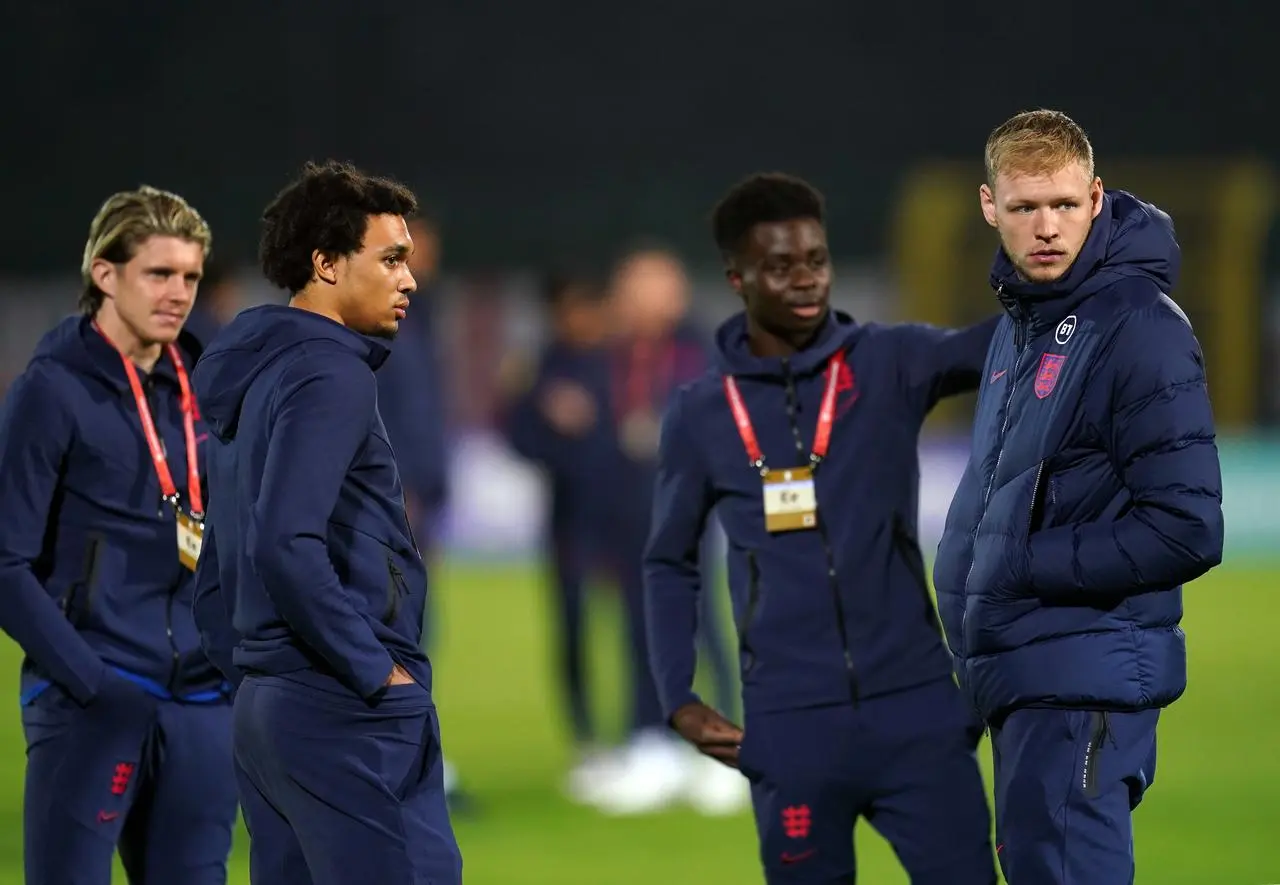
{"type": "Point", "coordinates": [678, 701]}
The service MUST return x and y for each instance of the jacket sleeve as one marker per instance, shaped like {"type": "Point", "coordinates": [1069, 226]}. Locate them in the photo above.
{"type": "Point", "coordinates": [672, 578]}
{"type": "Point", "coordinates": [525, 427]}
{"type": "Point", "coordinates": [938, 362]}
{"type": "Point", "coordinates": [1161, 442]}
{"type": "Point", "coordinates": [212, 614]}
{"type": "Point", "coordinates": [36, 431]}
{"type": "Point", "coordinates": [320, 421]}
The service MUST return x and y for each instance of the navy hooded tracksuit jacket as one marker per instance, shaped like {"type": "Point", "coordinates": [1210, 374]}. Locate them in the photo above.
{"type": "Point", "coordinates": [88, 553]}
{"type": "Point", "coordinates": [317, 568]}
{"type": "Point", "coordinates": [1093, 489]}
{"type": "Point", "coordinates": [850, 707]}
{"type": "Point", "coordinates": [312, 586]}
{"type": "Point", "coordinates": [826, 616]}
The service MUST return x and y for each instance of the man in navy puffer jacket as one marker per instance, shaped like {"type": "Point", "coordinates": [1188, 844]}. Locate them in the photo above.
{"type": "Point", "coordinates": [1092, 494]}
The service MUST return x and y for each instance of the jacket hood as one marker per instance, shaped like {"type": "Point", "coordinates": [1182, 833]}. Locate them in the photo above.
{"type": "Point", "coordinates": [734, 356]}
{"type": "Point", "coordinates": [252, 342]}
{"type": "Point", "coordinates": [1129, 238]}
{"type": "Point", "coordinates": [77, 345]}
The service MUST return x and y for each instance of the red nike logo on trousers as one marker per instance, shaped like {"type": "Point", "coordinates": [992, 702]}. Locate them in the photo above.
{"type": "Point", "coordinates": [789, 858]}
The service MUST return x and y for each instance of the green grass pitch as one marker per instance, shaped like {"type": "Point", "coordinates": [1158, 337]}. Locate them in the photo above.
{"type": "Point", "coordinates": [1212, 817]}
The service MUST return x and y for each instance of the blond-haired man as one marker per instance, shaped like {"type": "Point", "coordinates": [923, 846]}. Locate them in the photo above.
{"type": "Point", "coordinates": [1092, 494]}
{"type": "Point", "coordinates": [127, 722]}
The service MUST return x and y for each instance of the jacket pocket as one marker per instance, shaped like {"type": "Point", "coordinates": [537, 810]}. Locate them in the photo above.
{"type": "Point", "coordinates": [909, 550]}
{"type": "Point", "coordinates": [77, 604]}
{"type": "Point", "coordinates": [750, 613]}
{"type": "Point", "coordinates": [396, 590]}
{"type": "Point", "coordinates": [1098, 733]}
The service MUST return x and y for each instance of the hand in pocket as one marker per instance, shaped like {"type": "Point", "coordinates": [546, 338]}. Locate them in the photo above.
{"type": "Point", "coordinates": [399, 676]}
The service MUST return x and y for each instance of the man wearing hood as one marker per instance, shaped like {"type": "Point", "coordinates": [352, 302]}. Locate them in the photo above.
{"type": "Point", "coordinates": [804, 440]}
{"type": "Point", "coordinates": [1093, 492]}
{"type": "Point", "coordinates": [127, 722]}
{"type": "Point", "coordinates": [311, 584]}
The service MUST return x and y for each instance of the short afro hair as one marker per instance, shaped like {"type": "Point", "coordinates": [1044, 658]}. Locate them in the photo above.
{"type": "Point", "coordinates": [326, 209]}
{"type": "Point", "coordinates": [763, 198]}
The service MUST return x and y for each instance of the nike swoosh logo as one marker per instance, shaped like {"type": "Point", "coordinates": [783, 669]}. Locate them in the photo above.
{"type": "Point", "coordinates": [106, 817]}
{"type": "Point", "coordinates": [788, 858]}
{"type": "Point", "coordinates": [996, 376]}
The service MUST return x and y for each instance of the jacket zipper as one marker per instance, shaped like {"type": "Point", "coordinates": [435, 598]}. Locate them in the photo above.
{"type": "Point", "coordinates": [850, 673]}
{"type": "Point", "coordinates": [1089, 770]}
{"type": "Point", "coordinates": [175, 657]}
{"type": "Point", "coordinates": [173, 643]}
{"type": "Point", "coordinates": [395, 581]}
{"type": "Point", "coordinates": [749, 615]}
{"type": "Point", "coordinates": [1036, 494]}
{"type": "Point", "coordinates": [1020, 343]}
{"type": "Point", "coordinates": [87, 582]}
{"type": "Point", "coordinates": [409, 525]}
{"type": "Point", "coordinates": [404, 511]}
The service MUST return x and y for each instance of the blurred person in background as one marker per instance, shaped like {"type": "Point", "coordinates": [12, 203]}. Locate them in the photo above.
{"type": "Point", "coordinates": [221, 298]}
{"type": "Point", "coordinates": [1092, 494]}
{"type": "Point", "coordinates": [563, 414]}
{"type": "Point", "coordinates": [654, 349]}
{"type": "Point", "coordinates": [128, 724]}
{"type": "Point", "coordinates": [804, 441]}
{"type": "Point", "coordinates": [551, 417]}
{"type": "Point", "coordinates": [311, 590]}
{"type": "Point", "coordinates": [411, 398]}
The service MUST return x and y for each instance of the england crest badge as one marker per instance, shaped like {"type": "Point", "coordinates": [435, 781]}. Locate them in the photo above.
{"type": "Point", "coordinates": [1047, 376]}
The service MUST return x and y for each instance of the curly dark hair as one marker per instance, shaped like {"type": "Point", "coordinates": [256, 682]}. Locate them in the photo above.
{"type": "Point", "coordinates": [763, 198]}
{"type": "Point", "coordinates": [327, 209]}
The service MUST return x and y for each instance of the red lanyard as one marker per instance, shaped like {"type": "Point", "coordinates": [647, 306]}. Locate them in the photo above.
{"type": "Point", "coordinates": [647, 367]}
{"type": "Point", "coordinates": [826, 416]}
{"type": "Point", "coordinates": [167, 488]}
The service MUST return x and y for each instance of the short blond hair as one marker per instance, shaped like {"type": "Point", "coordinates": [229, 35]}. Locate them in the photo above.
{"type": "Point", "coordinates": [1037, 143]}
{"type": "Point", "coordinates": [126, 221]}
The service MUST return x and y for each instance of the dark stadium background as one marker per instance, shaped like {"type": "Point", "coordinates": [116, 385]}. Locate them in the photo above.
{"type": "Point", "coordinates": [540, 132]}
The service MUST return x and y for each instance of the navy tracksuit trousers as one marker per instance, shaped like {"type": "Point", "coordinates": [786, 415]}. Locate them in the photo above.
{"type": "Point", "coordinates": [905, 762]}
{"type": "Point", "coordinates": [339, 791]}
{"type": "Point", "coordinates": [128, 771]}
{"type": "Point", "coordinates": [1066, 784]}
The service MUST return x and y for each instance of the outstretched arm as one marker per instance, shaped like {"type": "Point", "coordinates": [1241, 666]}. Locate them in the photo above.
{"type": "Point", "coordinates": [938, 362]}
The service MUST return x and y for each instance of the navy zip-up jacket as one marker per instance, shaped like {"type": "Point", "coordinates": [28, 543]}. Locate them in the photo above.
{"type": "Point", "coordinates": [828, 615]}
{"type": "Point", "coordinates": [1093, 490]}
{"type": "Point", "coordinates": [89, 571]}
{"type": "Point", "coordinates": [309, 565]}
